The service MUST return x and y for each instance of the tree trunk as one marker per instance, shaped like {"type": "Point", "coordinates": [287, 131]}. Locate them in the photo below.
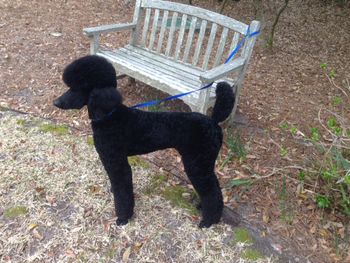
{"type": "Point", "coordinates": [272, 33]}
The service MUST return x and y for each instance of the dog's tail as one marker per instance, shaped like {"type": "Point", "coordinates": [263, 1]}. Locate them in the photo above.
{"type": "Point", "coordinates": [225, 101]}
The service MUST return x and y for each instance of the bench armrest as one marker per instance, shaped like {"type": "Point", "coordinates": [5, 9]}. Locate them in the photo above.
{"type": "Point", "coordinates": [92, 31]}
{"type": "Point", "coordinates": [222, 70]}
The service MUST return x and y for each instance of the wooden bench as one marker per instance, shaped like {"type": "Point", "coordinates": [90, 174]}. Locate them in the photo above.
{"type": "Point", "coordinates": [177, 48]}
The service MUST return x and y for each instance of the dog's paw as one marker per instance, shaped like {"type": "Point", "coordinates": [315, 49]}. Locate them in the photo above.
{"type": "Point", "coordinates": [122, 222]}
{"type": "Point", "coordinates": [204, 224]}
{"type": "Point", "coordinates": [207, 223]}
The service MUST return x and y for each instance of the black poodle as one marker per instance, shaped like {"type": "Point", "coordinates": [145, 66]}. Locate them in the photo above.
{"type": "Point", "coordinates": [119, 132]}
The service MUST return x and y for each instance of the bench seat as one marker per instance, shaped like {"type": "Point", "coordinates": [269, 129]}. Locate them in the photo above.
{"type": "Point", "coordinates": [157, 70]}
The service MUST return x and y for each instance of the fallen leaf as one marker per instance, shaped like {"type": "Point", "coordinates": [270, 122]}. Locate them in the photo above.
{"type": "Point", "coordinates": [37, 235]}
{"type": "Point", "coordinates": [70, 253]}
{"type": "Point", "coordinates": [266, 218]}
{"type": "Point", "coordinates": [250, 156]}
{"type": "Point", "coordinates": [137, 246]}
{"type": "Point", "coordinates": [313, 229]}
{"type": "Point", "coordinates": [51, 200]}
{"type": "Point", "coordinates": [56, 34]}
{"type": "Point", "coordinates": [324, 233]}
{"type": "Point", "coordinates": [341, 232]}
{"type": "Point", "coordinates": [106, 226]}
{"type": "Point", "coordinates": [32, 226]}
{"type": "Point", "coordinates": [94, 189]}
{"type": "Point", "coordinates": [40, 190]}
{"type": "Point", "coordinates": [126, 254]}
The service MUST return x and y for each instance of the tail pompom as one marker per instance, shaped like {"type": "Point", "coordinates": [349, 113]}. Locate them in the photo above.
{"type": "Point", "coordinates": [225, 101]}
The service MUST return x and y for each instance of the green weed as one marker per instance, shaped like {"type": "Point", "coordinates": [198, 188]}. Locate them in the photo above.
{"type": "Point", "coordinates": [20, 122]}
{"type": "Point", "coordinates": [336, 101]}
{"type": "Point", "coordinates": [235, 149]}
{"type": "Point", "coordinates": [90, 141]}
{"type": "Point", "coordinates": [301, 176]}
{"type": "Point", "coordinates": [15, 211]}
{"type": "Point", "coordinates": [284, 125]}
{"type": "Point", "coordinates": [293, 130]}
{"type": "Point", "coordinates": [157, 182]}
{"type": "Point", "coordinates": [242, 235]}
{"type": "Point", "coordinates": [136, 161]}
{"type": "Point", "coordinates": [53, 128]}
{"type": "Point", "coordinates": [251, 254]}
{"type": "Point", "coordinates": [323, 201]}
{"type": "Point", "coordinates": [315, 135]}
{"type": "Point", "coordinates": [323, 65]}
{"type": "Point", "coordinates": [177, 197]}
{"type": "Point", "coordinates": [283, 151]}
{"type": "Point", "coordinates": [238, 182]}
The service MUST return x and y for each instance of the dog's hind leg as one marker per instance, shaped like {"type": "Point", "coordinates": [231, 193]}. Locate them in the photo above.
{"type": "Point", "coordinates": [200, 171]}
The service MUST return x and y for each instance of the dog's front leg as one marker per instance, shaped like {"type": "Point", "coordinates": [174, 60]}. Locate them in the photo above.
{"type": "Point", "coordinates": [120, 176]}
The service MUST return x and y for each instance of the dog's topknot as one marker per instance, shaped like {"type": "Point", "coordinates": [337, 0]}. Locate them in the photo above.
{"type": "Point", "coordinates": [90, 72]}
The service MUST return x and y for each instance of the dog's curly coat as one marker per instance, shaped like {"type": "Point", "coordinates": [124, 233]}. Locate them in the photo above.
{"type": "Point", "coordinates": [119, 132]}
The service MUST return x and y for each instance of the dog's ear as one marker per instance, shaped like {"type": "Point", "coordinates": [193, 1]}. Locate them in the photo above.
{"type": "Point", "coordinates": [103, 101]}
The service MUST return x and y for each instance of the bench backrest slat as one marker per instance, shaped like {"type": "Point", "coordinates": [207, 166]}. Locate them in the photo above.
{"type": "Point", "coordinates": [145, 27]}
{"type": "Point", "coordinates": [154, 29]}
{"type": "Point", "coordinates": [199, 42]}
{"type": "Point", "coordinates": [171, 34]}
{"type": "Point", "coordinates": [221, 46]}
{"type": "Point", "coordinates": [189, 39]}
{"type": "Point", "coordinates": [234, 43]}
{"type": "Point", "coordinates": [136, 20]}
{"type": "Point", "coordinates": [162, 30]}
{"type": "Point", "coordinates": [181, 36]}
{"type": "Point", "coordinates": [209, 46]}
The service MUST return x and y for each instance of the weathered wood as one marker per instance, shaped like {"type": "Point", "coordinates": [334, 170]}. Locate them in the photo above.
{"type": "Point", "coordinates": [197, 12]}
{"type": "Point", "coordinates": [199, 42]}
{"type": "Point", "coordinates": [94, 43]}
{"type": "Point", "coordinates": [136, 20]}
{"type": "Point", "coordinates": [233, 43]}
{"type": "Point", "coordinates": [189, 39]}
{"type": "Point", "coordinates": [90, 31]}
{"type": "Point", "coordinates": [162, 62]}
{"type": "Point", "coordinates": [222, 70]}
{"type": "Point", "coordinates": [221, 47]}
{"type": "Point", "coordinates": [171, 34]}
{"type": "Point", "coordinates": [164, 59]}
{"type": "Point", "coordinates": [145, 27]}
{"type": "Point", "coordinates": [210, 46]}
{"type": "Point", "coordinates": [181, 36]}
{"type": "Point", "coordinates": [154, 29]}
{"type": "Point", "coordinates": [162, 30]}
{"type": "Point", "coordinates": [170, 69]}
{"type": "Point", "coordinates": [246, 54]}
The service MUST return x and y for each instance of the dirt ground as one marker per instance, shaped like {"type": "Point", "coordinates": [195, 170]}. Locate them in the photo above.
{"type": "Point", "coordinates": [283, 85]}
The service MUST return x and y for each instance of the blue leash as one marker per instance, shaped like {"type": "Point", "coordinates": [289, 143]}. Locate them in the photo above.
{"type": "Point", "coordinates": [154, 102]}
{"type": "Point", "coordinates": [233, 53]}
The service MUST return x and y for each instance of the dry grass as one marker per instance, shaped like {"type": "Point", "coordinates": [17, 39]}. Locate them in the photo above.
{"type": "Point", "coordinates": [55, 206]}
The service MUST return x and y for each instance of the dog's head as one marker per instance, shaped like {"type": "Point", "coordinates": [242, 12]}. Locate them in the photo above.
{"type": "Point", "coordinates": [92, 81]}
{"type": "Point", "coordinates": [83, 76]}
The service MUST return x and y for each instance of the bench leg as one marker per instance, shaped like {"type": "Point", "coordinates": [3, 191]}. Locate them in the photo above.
{"type": "Point", "coordinates": [132, 81]}
{"type": "Point", "coordinates": [199, 108]}
{"type": "Point", "coordinates": [203, 109]}
{"type": "Point", "coordinates": [232, 115]}
{"type": "Point", "coordinates": [121, 76]}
